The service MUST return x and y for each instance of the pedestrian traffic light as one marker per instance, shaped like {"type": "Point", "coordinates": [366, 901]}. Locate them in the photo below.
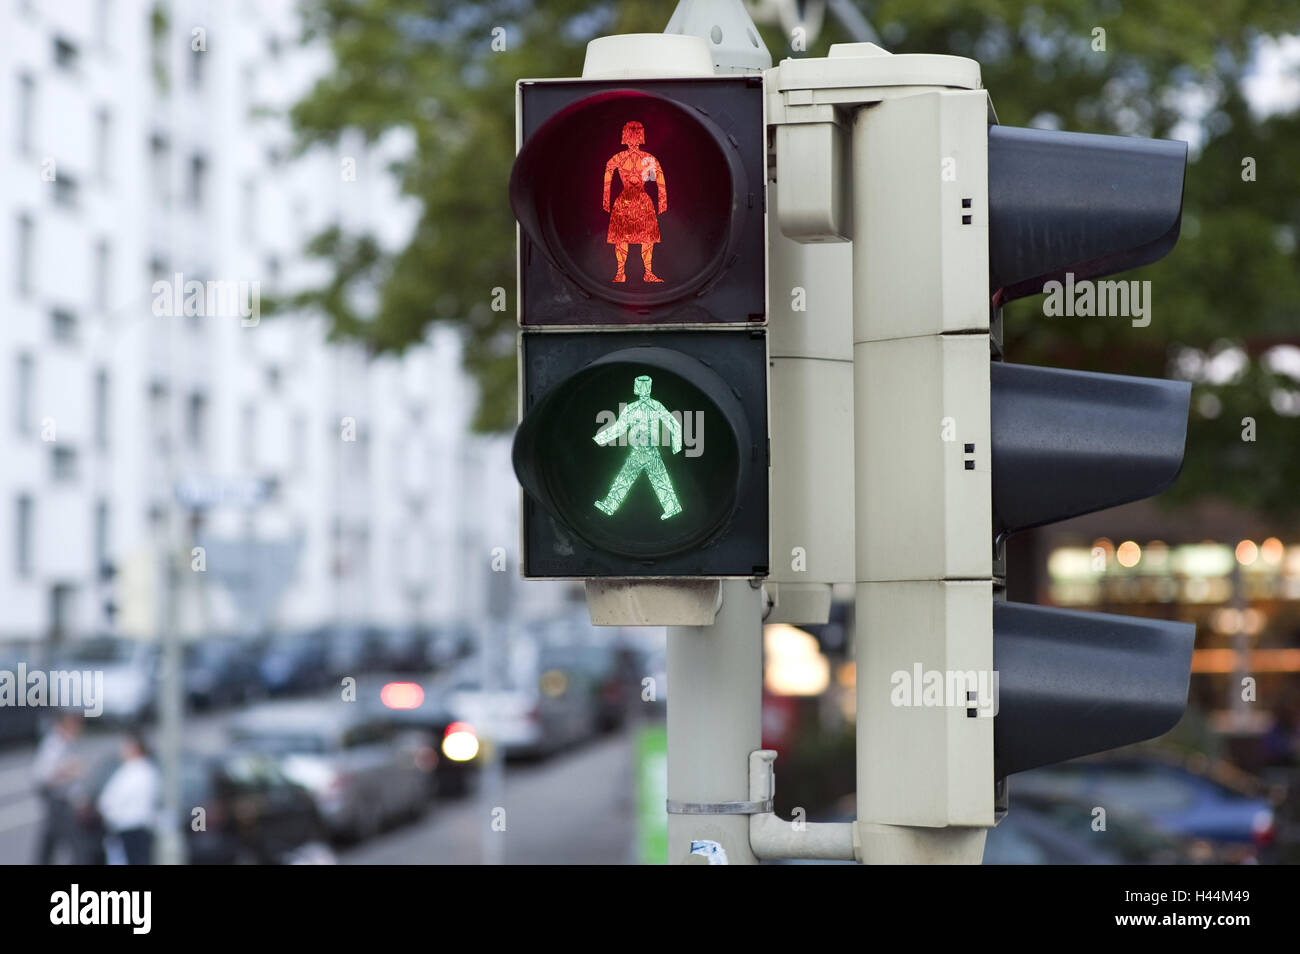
{"type": "Point", "coordinates": [644, 454]}
{"type": "Point", "coordinates": [641, 202]}
{"type": "Point", "coordinates": [642, 445]}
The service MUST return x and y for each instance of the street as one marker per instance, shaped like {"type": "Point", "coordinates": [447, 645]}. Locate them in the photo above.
{"type": "Point", "coordinates": [573, 808]}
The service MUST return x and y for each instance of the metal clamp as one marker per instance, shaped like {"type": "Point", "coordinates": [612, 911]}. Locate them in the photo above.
{"type": "Point", "coordinates": [720, 808]}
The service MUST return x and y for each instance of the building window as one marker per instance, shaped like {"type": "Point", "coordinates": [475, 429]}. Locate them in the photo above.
{"type": "Point", "coordinates": [196, 68]}
{"type": "Point", "coordinates": [65, 53]}
{"type": "Point", "coordinates": [103, 142]}
{"type": "Point", "coordinates": [26, 112]}
{"type": "Point", "coordinates": [24, 387]}
{"type": "Point", "coordinates": [196, 421]}
{"type": "Point", "coordinates": [63, 605]}
{"type": "Point", "coordinates": [103, 259]}
{"type": "Point", "coordinates": [101, 409]}
{"type": "Point", "coordinates": [63, 464]}
{"type": "Point", "coordinates": [103, 23]}
{"type": "Point", "coordinates": [159, 27]}
{"type": "Point", "coordinates": [196, 187]}
{"type": "Point", "coordinates": [23, 256]}
{"type": "Point", "coordinates": [160, 168]}
{"type": "Point", "coordinates": [24, 517]}
{"type": "Point", "coordinates": [63, 325]}
{"type": "Point", "coordinates": [248, 436]}
{"type": "Point", "coordinates": [159, 413]}
{"type": "Point", "coordinates": [102, 560]}
{"type": "Point", "coordinates": [248, 210]}
{"type": "Point", "coordinates": [66, 191]}
{"type": "Point", "coordinates": [300, 443]}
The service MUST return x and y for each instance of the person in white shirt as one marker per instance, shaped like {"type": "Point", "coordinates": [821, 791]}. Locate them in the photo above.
{"type": "Point", "coordinates": [57, 769]}
{"type": "Point", "coordinates": [129, 805]}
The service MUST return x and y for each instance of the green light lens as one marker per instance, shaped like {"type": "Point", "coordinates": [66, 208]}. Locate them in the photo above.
{"type": "Point", "coordinates": [638, 461]}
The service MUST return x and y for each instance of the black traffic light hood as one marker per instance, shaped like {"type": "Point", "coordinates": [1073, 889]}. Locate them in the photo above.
{"type": "Point", "coordinates": [1076, 202]}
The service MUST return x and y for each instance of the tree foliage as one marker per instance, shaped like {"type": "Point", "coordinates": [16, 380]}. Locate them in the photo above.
{"type": "Point", "coordinates": [1139, 67]}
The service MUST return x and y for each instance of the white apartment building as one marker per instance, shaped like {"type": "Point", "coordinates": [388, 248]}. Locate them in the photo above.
{"type": "Point", "coordinates": [132, 151]}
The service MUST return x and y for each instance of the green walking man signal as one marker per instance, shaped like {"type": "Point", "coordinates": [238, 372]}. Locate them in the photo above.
{"type": "Point", "coordinates": [640, 421]}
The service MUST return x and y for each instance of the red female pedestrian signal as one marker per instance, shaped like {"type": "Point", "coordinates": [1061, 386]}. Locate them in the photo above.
{"type": "Point", "coordinates": [632, 218]}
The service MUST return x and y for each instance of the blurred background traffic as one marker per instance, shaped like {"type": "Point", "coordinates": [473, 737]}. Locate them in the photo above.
{"type": "Point", "coordinates": [302, 482]}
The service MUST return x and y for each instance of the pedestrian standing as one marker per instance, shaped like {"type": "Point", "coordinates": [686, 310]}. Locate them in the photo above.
{"type": "Point", "coordinates": [57, 769]}
{"type": "Point", "coordinates": [129, 805]}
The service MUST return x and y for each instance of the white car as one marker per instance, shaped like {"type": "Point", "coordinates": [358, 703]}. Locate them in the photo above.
{"type": "Point", "coordinates": [363, 773]}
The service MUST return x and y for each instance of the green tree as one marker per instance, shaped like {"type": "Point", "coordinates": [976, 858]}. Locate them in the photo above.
{"type": "Point", "coordinates": [445, 71]}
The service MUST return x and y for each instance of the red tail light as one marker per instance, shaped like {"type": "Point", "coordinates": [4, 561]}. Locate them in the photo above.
{"type": "Point", "coordinates": [459, 727]}
{"type": "Point", "coordinates": [402, 695]}
{"type": "Point", "coordinates": [1262, 828]}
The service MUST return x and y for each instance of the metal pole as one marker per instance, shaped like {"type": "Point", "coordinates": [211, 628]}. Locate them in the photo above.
{"type": "Point", "coordinates": [1237, 703]}
{"type": "Point", "coordinates": [170, 844]}
{"type": "Point", "coordinates": [171, 847]}
{"type": "Point", "coordinates": [495, 650]}
{"type": "Point", "coordinates": [715, 708]}
{"type": "Point", "coordinates": [852, 21]}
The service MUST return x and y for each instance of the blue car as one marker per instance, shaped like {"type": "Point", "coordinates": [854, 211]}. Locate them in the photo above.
{"type": "Point", "coordinates": [295, 663]}
{"type": "Point", "coordinates": [1174, 798]}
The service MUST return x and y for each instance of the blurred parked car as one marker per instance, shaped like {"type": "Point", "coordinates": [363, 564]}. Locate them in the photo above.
{"type": "Point", "coordinates": [1025, 837]}
{"type": "Point", "coordinates": [130, 671]}
{"type": "Point", "coordinates": [541, 700]}
{"type": "Point", "coordinates": [446, 644]}
{"type": "Point", "coordinates": [1172, 797]}
{"type": "Point", "coordinates": [363, 773]}
{"type": "Point", "coordinates": [221, 671]}
{"type": "Point", "coordinates": [615, 681]}
{"type": "Point", "coordinates": [295, 662]}
{"type": "Point", "coordinates": [19, 723]}
{"type": "Point", "coordinates": [406, 649]}
{"type": "Point", "coordinates": [354, 650]}
{"type": "Point", "coordinates": [1056, 830]}
{"type": "Point", "coordinates": [252, 812]}
{"type": "Point", "coordinates": [455, 740]}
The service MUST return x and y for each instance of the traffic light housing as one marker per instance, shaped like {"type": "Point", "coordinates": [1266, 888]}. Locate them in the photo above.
{"type": "Point", "coordinates": [705, 515]}
{"type": "Point", "coordinates": [956, 449]}
{"type": "Point", "coordinates": [642, 447]}
{"type": "Point", "coordinates": [1088, 204]}
{"type": "Point", "coordinates": [1066, 443]}
{"type": "Point", "coordinates": [702, 150]}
